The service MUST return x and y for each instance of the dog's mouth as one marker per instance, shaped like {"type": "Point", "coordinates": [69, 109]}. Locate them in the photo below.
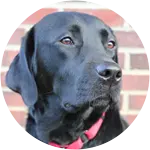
{"type": "Point", "coordinates": [95, 105]}
{"type": "Point", "coordinates": [108, 94]}
{"type": "Point", "coordinates": [99, 102]}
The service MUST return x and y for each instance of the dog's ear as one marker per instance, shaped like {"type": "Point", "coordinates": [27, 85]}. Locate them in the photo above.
{"type": "Point", "coordinates": [19, 77]}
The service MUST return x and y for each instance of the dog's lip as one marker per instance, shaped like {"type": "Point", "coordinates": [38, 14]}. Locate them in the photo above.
{"type": "Point", "coordinates": [99, 100]}
{"type": "Point", "coordinates": [106, 97]}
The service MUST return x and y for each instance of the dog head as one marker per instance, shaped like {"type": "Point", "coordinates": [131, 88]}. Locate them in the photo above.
{"type": "Point", "coordinates": [72, 54]}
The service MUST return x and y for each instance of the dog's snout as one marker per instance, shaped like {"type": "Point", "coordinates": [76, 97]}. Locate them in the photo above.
{"type": "Point", "coordinates": [111, 71]}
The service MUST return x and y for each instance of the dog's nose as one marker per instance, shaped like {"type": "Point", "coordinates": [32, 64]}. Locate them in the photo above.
{"type": "Point", "coordinates": [111, 71]}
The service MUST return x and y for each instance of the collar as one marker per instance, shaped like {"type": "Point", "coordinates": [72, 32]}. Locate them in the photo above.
{"type": "Point", "coordinates": [85, 136]}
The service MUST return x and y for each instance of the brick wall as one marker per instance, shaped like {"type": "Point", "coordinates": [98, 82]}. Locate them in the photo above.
{"type": "Point", "coordinates": [132, 57]}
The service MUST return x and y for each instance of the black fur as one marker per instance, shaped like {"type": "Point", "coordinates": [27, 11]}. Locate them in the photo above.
{"type": "Point", "coordinates": [58, 82]}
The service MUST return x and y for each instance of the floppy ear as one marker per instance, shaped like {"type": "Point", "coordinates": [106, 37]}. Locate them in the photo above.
{"type": "Point", "coordinates": [19, 78]}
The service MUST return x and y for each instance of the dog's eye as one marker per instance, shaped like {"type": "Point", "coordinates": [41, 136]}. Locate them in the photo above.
{"type": "Point", "coordinates": [110, 44]}
{"type": "Point", "coordinates": [67, 41]}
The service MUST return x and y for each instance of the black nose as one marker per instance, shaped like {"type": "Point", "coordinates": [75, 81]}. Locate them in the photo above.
{"type": "Point", "coordinates": [109, 71]}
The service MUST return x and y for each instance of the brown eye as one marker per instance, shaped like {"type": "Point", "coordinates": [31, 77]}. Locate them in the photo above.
{"type": "Point", "coordinates": [67, 41]}
{"type": "Point", "coordinates": [110, 44]}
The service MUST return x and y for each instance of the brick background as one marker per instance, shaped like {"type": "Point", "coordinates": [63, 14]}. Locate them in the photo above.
{"type": "Point", "coordinates": [128, 39]}
{"type": "Point", "coordinates": [138, 61]}
{"type": "Point", "coordinates": [8, 57]}
{"type": "Point", "coordinates": [133, 101]}
{"type": "Point", "coordinates": [132, 58]}
{"type": "Point", "coordinates": [16, 37]}
{"type": "Point", "coordinates": [13, 99]}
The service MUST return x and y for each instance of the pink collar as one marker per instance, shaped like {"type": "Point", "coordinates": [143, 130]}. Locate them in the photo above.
{"type": "Point", "coordinates": [85, 137]}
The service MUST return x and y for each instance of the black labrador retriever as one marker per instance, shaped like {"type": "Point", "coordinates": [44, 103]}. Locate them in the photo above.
{"type": "Point", "coordinates": [67, 73]}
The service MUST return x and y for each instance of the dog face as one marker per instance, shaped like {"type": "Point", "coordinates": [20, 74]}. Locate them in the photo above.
{"type": "Point", "coordinates": [68, 62]}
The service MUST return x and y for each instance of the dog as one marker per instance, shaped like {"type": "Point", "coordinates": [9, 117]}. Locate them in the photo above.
{"type": "Point", "coordinates": [68, 75]}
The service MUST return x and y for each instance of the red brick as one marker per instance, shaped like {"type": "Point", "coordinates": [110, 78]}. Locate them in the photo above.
{"type": "Point", "coordinates": [136, 102]}
{"type": "Point", "coordinates": [135, 82]}
{"type": "Point", "coordinates": [128, 39]}
{"type": "Point", "coordinates": [8, 57]}
{"type": "Point", "coordinates": [121, 59]}
{"type": "Point", "coordinates": [17, 36]}
{"type": "Point", "coordinates": [38, 15]}
{"type": "Point", "coordinates": [130, 118]}
{"type": "Point", "coordinates": [13, 99]}
{"type": "Point", "coordinates": [108, 16]}
{"type": "Point", "coordinates": [19, 116]}
{"type": "Point", "coordinates": [139, 61]}
{"type": "Point", "coordinates": [3, 74]}
{"type": "Point", "coordinates": [121, 102]}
